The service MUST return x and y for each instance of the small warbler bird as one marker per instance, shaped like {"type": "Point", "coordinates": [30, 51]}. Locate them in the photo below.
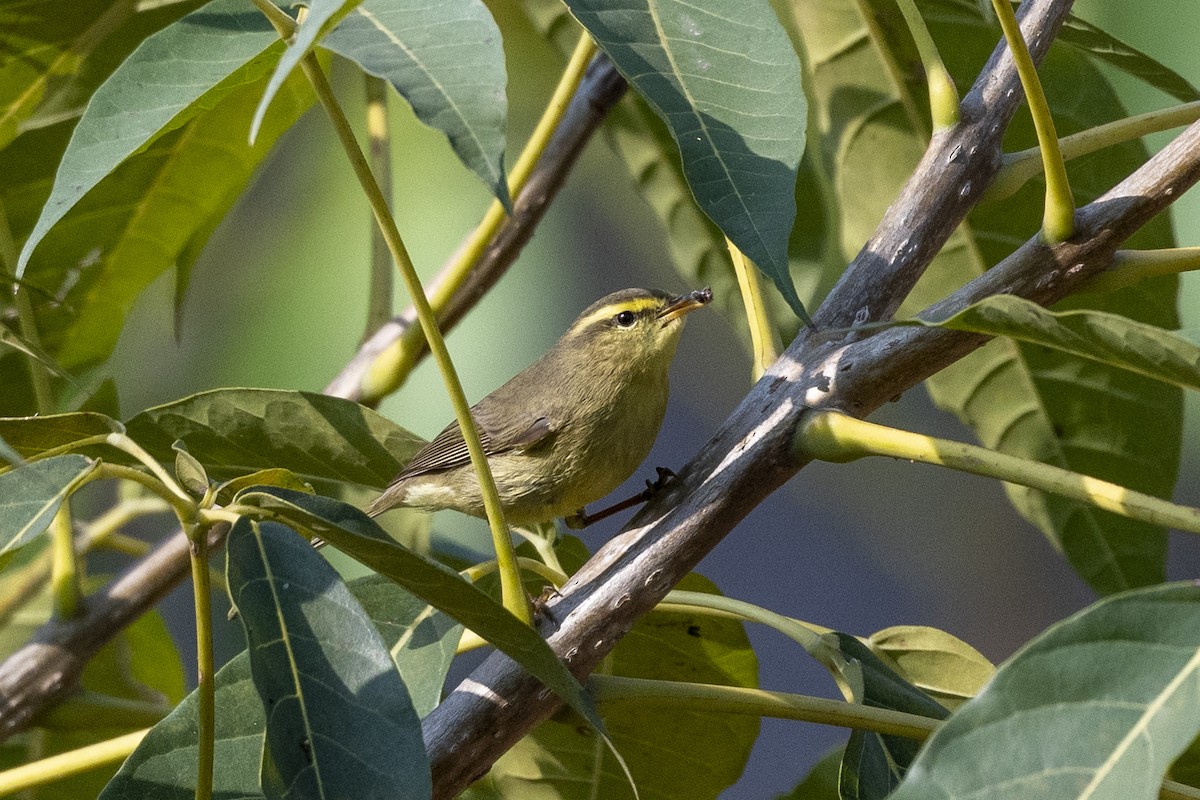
{"type": "Point", "coordinates": [569, 428]}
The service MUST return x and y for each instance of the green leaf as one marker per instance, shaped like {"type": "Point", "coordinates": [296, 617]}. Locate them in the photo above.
{"type": "Point", "coordinates": [31, 436]}
{"type": "Point", "coordinates": [946, 668]}
{"type": "Point", "coordinates": [671, 754]}
{"type": "Point", "coordinates": [1110, 339]}
{"type": "Point", "coordinates": [358, 536]}
{"type": "Point", "coordinates": [821, 783]}
{"type": "Point", "coordinates": [874, 763]}
{"type": "Point", "coordinates": [52, 62]}
{"type": "Point", "coordinates": [1097, 706]}
{"type": "Point", "coordinates": [319, 438]}
{"type": "Point", "coordinates": [188, 471]}
{"type": "Point", "coordinates": [275, 476]}
{"type": "Point", "coordinates": [1105, 47]}
{"type": "Point", "coordinates": [30, 496]}
{"type": "Point", "coordinates": [164, 765]}
{"type": "Point", "coordinates": [726, 81]}
{"type": "Point", "coordinates": [322, 15]}
{"type": "Point", "coordinates": [339, 719]}
{"type": "Point", "coordinates": [447, 61]}
{"type": "Point", "coordinates": [137, 193]}
{"type": "Point", "coordinates": [1022, 400]}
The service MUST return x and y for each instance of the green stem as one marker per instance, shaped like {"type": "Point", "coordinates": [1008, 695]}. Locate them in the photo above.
{"type": "Point", "coordinates": [943, 95]}
{"type": "Point", "coordinates": [1134, 266]}
{"type": "Point", "coordinates": [393, 365]}
{"type": "Point", "coordinates": [65, 583]}
{"type": "Point", "coordinates": [610, 689]}
{"type": "Point", "coordinates": [87, 711]}
{"type": "Point", "coordinates": [379, 303]}
{"type": "Point", "coordinates": [183, 507]}
{"type": "Point", "coordinates": [512, 593]}
{"type": "Point", "coordinates": [762, 336]}
{"type": "Point", "coordinates": [127, 445]}
{"type": "Point", "coordinates": [1058, 220]}
{"type": "Point", "coordinates": [833, 436]}
{"type": "Point", "coordinates": [1023, 165]}
{"type": "Point", "coordinates": [55, 768]}
{"type": "Point", "coordinates": [206, 682]}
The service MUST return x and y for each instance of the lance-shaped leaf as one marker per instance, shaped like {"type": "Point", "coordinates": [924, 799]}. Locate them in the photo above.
{"type": "Point", "coordinates": [1097, 335]}
{"type": "Point", "coordinates": [339, 721]}
{"type": "Point", "coordinates": [322, 439]}
{"type": "Point", "coordinates": [1097, 706]}
{"type": "Point", "coordinates": [164, 765]}
{"type": "Point", "coordinates": [31, 495]}
{"type": "Point", "coordinates": [447, 61]}
{"type": "Point", "coordinates": [157, 158]}
{"type": "Point", "coordinates": [358, 536]}
{"type": "Point", "coordinates": [725, 79]}
{"type": "Point", "coordinates": [320, 17]}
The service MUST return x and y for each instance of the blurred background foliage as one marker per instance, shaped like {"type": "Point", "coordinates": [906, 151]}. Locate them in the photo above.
{"type": "Point", "coordinates": [278, 299]}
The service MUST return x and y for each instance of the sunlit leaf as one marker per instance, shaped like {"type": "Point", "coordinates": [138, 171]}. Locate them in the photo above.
{"type": "Point", "coordinates": [946, 668]}
{"type": "Point", "coordinates": [725, 79]}
{"type": "Point", "coordinates": [1097, 706]}
{"type": "Point", "coordinates": [447, 61]}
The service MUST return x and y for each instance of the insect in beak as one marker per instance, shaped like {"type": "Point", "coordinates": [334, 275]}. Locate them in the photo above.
{"type": "Point", "coordinates": [685, 303]}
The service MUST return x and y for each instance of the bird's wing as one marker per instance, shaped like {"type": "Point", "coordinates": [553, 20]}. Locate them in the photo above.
{"type": "Point", "coordinates": [448, 449]}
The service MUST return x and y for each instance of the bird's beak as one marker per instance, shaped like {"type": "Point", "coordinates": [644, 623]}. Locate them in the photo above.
{"type": "Point", "coordinates": [684, 303]}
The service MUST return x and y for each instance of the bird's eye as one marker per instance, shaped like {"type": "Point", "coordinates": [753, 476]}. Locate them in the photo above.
{"type": "Point", "coordinates": [625, 319]}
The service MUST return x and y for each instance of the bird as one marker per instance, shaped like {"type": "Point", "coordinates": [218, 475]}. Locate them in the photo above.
{"type": "Point", "coordinates": [568, 429]}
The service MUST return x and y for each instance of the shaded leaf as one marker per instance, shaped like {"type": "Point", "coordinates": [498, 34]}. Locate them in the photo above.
{"type": "Point", "coordinates": [1097, 706]}
{"type": "Point", "coordinates": [358, 536]}
{"type": "Point", "coordinates": [164, 765]}
{"type": "Point", "coordinates": [946, 668]}
{"type": "Point", "coordinates": [1106, 47]}
{"type": "Point", "coordinates": [321, 439]}
{"type": "Point", "coordinates": [447, 61]}
{"type": "Point", "coordinates": [274, 476]}
{"type": "Point", "coordinates": [671, 753]}
{"type": "Point", "coordinates": [31, 494]}
{"type": "Point", "coordinates": [874, 763]}
{"type": "Point", "coordinates": [1110, 339]}
{"type": "Point", "coordinates": [31, 436]}
{"type": "Point", "coordinates": [726, 81]}
{"type": "Point", "coordinates": [339, 719]}
{"type": "Point", "coordinates": [821, 783]}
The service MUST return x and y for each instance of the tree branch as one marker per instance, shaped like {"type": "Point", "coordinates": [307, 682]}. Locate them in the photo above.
{"type": "Point", "coordinates": [754, 452]}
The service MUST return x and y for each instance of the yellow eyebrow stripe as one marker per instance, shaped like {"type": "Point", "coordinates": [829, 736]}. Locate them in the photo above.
{"type": "Point", "coordinates": [611, 310]}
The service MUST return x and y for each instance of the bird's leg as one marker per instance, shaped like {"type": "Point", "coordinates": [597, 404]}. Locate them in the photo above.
{"type": "Point", "coordinates": [581, 519]}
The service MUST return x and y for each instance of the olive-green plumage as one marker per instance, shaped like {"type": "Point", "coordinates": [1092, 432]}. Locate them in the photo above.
{"type": "Point", "coordinates": [570, 427]}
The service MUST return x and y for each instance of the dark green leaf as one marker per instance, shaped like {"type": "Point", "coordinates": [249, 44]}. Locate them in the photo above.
{"type": "Point", "coordinates": [358, 536]}
{"type": "Point", "coordinates": [874, 763]}
{"type": "Point", "coordinates": [321, 439]}
{"type": "Point", "coordinates": [31, 436]}
{"type": "Point", "coordinates": [1097, 706]}
{"type": "Point", "coordinates": [339, 719]}
{"type": "Point", "coordinates": [447, 61]}
{"type": "Point", "coordinates": [725, 79]}
{"type": "Point", "coordinates": [1105, 47]}
{"type": "Point", "coordinates": [321, 15]}
{"type": "Point", "coordinates": [30, 496]}
{"type": "Point", "coordinates": [672, 753]}
{"type": "Point", "coordinates": [164, 765]}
